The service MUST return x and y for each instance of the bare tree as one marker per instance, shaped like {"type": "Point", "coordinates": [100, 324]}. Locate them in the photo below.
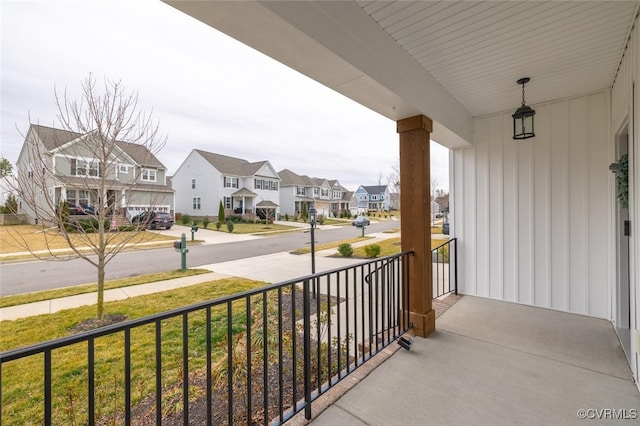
{"type": "Point", "coordinates": [78, 182]}
{"type": "Point", "coordinates": [393, 180]}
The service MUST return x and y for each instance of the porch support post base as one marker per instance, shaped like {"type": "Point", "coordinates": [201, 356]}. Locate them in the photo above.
{"type": "Point", "coordinates": [423, 324]}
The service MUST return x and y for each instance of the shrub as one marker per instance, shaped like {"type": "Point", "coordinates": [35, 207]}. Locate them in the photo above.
{"type": "Point", "coordinates": [186, 219]}
{"type": "Point", "coordinates": [230, 226]}
{"type": "Point", "coordinates": [321, 219]}
{"type": "Point", "coordinates": [221, 213]}
{"type": "Point", "coordinates": [286, 217]}
{"type": "Point", "coordinates": [372, 250]}
{"type": "Point", "coordinates": [218, 225]}
{"type": "Point", "coordinates": [11, 205]}
{"type": "Point", "coordinates": [205, 222]}
{"type": "Point", "coordinates": [345, 249]}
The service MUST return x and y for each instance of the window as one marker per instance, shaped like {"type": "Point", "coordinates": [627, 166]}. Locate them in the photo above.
{"type": "Point", "coordinates": [148, 175]}
{"type": "Point", "coordinates": [196, 203]}
{"type": "Point", "coordinates": [337, 194]}
{"type": "Point", "coordinates": [77, 198]}
{"type": "Point", "coordinates": [85, 168]}
{"type": "Point", "coordinates": [227, 202]}
{"type": "Point", "coordinates": [300, 190]}
{"type": "Point", "coordinates": [230, 182]}
{"type": "Point", "coordinates": [123, 168]}
{"type": "Point", "coordinates": [257, 184]}
{"type": "Point", "coordinates": [274, 186]}
{"type": "Point", "coordinates": [193, 185]}
{"type": "Point", "coordinates": [325, 192]}
{"type": "Point", "coordinates": [316, 191]}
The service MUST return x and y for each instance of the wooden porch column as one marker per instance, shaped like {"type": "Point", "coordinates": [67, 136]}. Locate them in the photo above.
{"type": "Point", "coordinates": [415, 205]}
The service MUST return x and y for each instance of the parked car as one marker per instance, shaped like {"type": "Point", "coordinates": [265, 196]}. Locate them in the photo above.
{"type": "Point", "coordinates": [161, 220]}
{"type": "Point", "coordinates": [83, 209]}
{"type": "Point", "coordinates": [445, 228]}
{"type": "Point", "coordinates": [361, 221]}
{"type": "Point", "coordinates": [143, 217]}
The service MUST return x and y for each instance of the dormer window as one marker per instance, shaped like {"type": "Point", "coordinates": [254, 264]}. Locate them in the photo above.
{"type": "Point", "coordinates": [123, 168]}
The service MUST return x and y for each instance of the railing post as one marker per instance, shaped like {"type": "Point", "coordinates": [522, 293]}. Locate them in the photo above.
{"type": "Point", "coordinates": [307, 348]}
{"type": "Point", "coordinates": [455, 265]}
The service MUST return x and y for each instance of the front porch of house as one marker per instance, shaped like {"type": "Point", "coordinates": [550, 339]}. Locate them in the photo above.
{"type": "Point", "coordinates": [494, 362]}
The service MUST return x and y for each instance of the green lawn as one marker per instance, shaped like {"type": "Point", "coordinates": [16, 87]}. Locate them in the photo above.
{"type": "Point", "coordinates": [22, 390]}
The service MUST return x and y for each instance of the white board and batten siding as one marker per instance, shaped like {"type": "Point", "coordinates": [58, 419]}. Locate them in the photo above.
{"type": "Point", "coordinates": [532, 215]}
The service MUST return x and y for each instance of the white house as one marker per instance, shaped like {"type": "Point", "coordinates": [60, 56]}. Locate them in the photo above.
{"type": "Point", "coordinates": [204, 179]}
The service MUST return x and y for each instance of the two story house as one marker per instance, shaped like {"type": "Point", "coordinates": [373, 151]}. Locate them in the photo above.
{"type": "Point", "coordinates": [328, 197]}
{"type": "Point", "coordinates": [296, 192]}
{"type": "Point", "coordinates": [85, 170]}
{"type": "Point", "coordinates": [373, 198]}
{"type": "Point", "coordinates": [339, 201]}
{"type": "Point", "coordinates": [206, 178]}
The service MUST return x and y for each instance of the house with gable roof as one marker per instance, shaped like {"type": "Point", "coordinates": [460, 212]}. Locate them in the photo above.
{"type": "Point", "coordinates": [373, 198]}
{"type": "Point", "coordinates": [245, 188]}
{"type": "Point", "coordinates": [328, 197]}
{"type": "Point", "coordinates": [64, 162]}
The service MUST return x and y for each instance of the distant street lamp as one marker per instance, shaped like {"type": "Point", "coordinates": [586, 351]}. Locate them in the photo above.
{"type": "Point", "coordinates": [312, 221]}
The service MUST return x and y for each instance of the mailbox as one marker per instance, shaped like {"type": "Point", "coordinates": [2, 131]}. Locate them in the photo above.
{"type": "Point", "coordinates": [177, 245]}
{"type": "Point", "coordinates": [194, 228]}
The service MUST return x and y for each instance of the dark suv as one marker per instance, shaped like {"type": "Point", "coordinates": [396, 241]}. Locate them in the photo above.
{"type": "Point", "coordinates": [154, 220]}
{"type": "Point", "coordinates": [161, 220]}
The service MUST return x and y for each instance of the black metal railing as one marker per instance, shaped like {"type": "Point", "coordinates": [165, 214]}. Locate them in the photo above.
{"type": "Point", "coordinates": [260, 356]}
{"type": "Point", "coordinates": [445, 268]}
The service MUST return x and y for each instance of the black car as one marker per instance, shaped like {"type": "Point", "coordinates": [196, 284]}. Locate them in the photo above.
{"type": "Point", "coordinates": [160, 220]}
{"type": "Point", "coordinates": [143, 217]}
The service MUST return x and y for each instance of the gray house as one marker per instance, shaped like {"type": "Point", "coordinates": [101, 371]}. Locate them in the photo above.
{"type": "Point", "coordinates": [129, 179]}
{"type": "Point", "coordinates": [205, 178]}
{"type": "Point", "coordinates": [328, 197]}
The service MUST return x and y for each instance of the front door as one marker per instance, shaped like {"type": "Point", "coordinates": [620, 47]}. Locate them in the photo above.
{"type": "Point", "coordinates": [623, 230]}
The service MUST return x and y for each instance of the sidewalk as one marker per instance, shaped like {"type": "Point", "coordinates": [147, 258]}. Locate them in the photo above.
{"type": "Point", "coordinates": [272, 268]}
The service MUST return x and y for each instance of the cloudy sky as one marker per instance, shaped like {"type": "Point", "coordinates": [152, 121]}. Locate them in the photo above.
{"type": "Point", "coordinates": [206, 90]}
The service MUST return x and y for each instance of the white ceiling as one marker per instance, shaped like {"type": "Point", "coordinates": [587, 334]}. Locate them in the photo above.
{"type": "Point", "coordinates": [478, 50]}
{"type": "Point", "coordinates": [449, 60]}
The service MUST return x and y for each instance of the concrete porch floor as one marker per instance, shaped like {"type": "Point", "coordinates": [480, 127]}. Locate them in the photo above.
{"type": "Point", "coordinates": [497, 363]}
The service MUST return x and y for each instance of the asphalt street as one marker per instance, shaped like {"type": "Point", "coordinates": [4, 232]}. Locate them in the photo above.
{"type": "Point", "coordinates": [36, 275]}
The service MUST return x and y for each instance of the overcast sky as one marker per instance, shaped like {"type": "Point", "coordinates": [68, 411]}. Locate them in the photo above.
{"type": "Point", "coordinates": [206, 90]}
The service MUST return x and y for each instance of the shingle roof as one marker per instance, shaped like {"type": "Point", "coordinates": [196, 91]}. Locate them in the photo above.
{"type": "Point", "coordinates": [231, 165]}
{"type": "Point", "coordinates": [53, 138]}
{"type": "Point", "coordinates": [375, 189]}
{"type": "Point", "coordinates": [266, 204]}
{"type": "Point", "coordinates": [289, 178]}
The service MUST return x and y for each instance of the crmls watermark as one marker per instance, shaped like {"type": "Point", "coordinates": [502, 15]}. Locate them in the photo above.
{"type": "Point", "coordinates": [608, 413]}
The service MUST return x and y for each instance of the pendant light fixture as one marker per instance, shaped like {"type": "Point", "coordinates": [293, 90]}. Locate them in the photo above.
{"type": "Point", "coordinates": [523, 117]}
